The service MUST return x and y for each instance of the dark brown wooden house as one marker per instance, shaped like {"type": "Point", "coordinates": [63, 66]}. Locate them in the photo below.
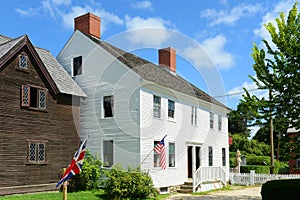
{"type": "Point", "coordinates": [294, 162]}
{"type": "Point", "coordinates": [39, 117]}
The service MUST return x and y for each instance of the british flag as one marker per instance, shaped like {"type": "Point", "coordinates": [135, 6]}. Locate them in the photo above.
{"type": "Point", "coordinates": [76, 164]}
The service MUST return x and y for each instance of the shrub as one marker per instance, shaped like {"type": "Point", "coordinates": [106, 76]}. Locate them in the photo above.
{"type": "Point", "coordinates": [88, 179]}
{"type": "Point", "coordinates": [128, 184]}
{"type": "Point", "coordinates": [280, 189]}
{"type": "Point", "coordinates": [259, 169]}
{"type": "Point", "coordinates": [258, 160]}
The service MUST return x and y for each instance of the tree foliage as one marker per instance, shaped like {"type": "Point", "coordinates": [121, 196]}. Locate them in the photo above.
{"type": "Point", "coordinates": [277, 68]}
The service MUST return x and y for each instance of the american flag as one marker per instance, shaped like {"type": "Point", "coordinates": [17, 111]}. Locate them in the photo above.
{"type": "Point", "coordinates": [161, 150]}
{"type": "Point", "coordinates": [76, 164]}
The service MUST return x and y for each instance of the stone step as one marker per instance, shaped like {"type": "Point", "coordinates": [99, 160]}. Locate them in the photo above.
{"type": "Point", "coordinates": [185, 191]}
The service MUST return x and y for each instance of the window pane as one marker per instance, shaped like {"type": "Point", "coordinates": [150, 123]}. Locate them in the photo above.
{"type": "Point", "coordinates": [32, 152]}
{"type": "Point", "coordinates": [33, 97]}
{"type": "Point", "coordinates": [171, 154]}
{"type": "Point", "coordinates": [171, 108]}
{"type": "Point", "coordinates": [108, 152]}
{"type": "Point", "coordinates": [210, 156]}
{"type": "Point", "coordinates": [23, 62]}
{"type": "Point", "coordinates": [42, 99]}
{"type": "Point", "coordinates": [108, 106]}
{"type": "Point", "coordinates": [156, 106]}
{"type": "Point", "coordinates": [77, 66]}
{"type": "Point", "coordinates": [41, 152]}
{"type": "Point", "coordinates": [211, 120]}
{"type": "Point", "coordinates": [220, 122]}
{"type": "Point", "coordinates": [25, 95]}
{"type": "Point", "coordinates": [223, 156]}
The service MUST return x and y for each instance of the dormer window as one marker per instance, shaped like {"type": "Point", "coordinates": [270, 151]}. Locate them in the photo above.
{"type": "Point", "coordinates": [23, 62]}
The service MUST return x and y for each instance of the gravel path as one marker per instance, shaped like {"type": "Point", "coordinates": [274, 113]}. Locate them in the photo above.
{"type": "Point", "coordinates": [251, 193]}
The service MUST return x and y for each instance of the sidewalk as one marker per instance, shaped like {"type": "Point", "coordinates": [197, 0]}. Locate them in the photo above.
{"type": "Point", "coordinates": [251, 193]}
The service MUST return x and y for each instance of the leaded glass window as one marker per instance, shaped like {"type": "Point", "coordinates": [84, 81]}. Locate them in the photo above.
{"type": "Point", "coordinates": [34, 97]}
{"type": "Point", "coordinates": [23, 61]}
{"type": "Point", "coordinates": [37, 151]}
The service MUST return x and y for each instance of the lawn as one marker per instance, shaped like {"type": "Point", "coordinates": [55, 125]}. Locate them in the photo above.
{"type": "Point", "coordinates": [87, 195]}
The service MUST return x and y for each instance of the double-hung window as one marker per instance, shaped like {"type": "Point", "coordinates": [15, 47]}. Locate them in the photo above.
{"type": "Point", "coordinates": [108, 152]}
{"type": "Point", "coordinates": [171, 154]}
{"type": "Point", "coordinates": [108, 106]}
{"type": "Point", "coordinates": [223, 156]}
{"type": "Point", "coordinates": [156, 106]}
{"type": "Point", "coordinates": [210, 156]}
{"type": "Point", "coordinates": [36, 152]}
{"type": "Point", "coordinates": [211, 120]}
{"type": "Point", "coordinates": [194, 116]}
{"type": "Point", "coordinates": [34, 97]}
{"type": "Point", "coordinates": [171, 109]}
{"type": "Point", "coordinates": [220, 122]}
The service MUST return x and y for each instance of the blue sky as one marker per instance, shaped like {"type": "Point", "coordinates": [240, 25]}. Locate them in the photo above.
{"type": "Point", "coordinates": [213, 39]}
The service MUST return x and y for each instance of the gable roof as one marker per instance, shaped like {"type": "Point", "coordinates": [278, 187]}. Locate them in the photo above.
{"type": "Point", "coordinates": [55, 74]}
{"type": "Point", "coordinates": [155, 73]}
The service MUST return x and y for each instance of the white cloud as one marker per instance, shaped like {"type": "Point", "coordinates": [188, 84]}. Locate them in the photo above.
{"type": "Point", "coordinates": [283, 6]}
{"type": "Point", "coordinates": [139, 30]}
{"type": "Point", "coordinates": [210, 53]}
{"type": "Point", "coordinates": [230, 17]}
{"type": "Point", "coordinates": [142, 5]}
{"type": "Point", "coordinates": [63, 12]}
{"type": "Point", "coordinates": [238, 91]}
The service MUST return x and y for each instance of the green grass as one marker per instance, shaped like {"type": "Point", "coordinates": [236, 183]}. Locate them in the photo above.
{"type": "Point", "coordinates": [86, 195]}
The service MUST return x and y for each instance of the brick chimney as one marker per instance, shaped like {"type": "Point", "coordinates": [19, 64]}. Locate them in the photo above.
{"type": "Point", "coordinates": [167, 58]}
{"type": "Point", "coordinates": [89, 24]}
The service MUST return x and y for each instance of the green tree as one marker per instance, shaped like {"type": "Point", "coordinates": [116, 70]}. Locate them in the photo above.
{"type": "Point", "coordinates": [279, 72]}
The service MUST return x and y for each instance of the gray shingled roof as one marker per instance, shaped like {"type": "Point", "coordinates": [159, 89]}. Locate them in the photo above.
{"type": "Point", "coordinates": [155, 73]}
{"type": "Point", "coordinates": [63, 81]}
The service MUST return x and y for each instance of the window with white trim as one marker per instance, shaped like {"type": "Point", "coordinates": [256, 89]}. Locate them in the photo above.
{"type": "Point", "coordinates": [34, 97]}
{"type": "Point", "coordinates": [108, 152]}
{"type": "Point", "coordinates": [156, 157]}
{"type": "Point", "coordinates": [156, 106]}
{"type": "Point", "coordinates": [210, 156]}
{"type": "Point", "coordinates": [223, 156]}
{"type": "Point", "coordinates": [171, 109]}
{"type": "Point", "coordinates": [77, 66]}
{"type": "Point", "coordinates": [36, 152]}
{"type": "Point", "coordinates": [220, 122]}
{"type": "Point", "coordinates": [108, 106]}
{"type": "Point", "coordinates": [171, 154]}
{"type": "Point", "coordinates": [194, 116]}
{"type": "Point", "coordinates": [211, 120]}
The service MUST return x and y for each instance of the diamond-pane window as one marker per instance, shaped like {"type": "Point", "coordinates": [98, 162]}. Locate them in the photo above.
{"type": "Point", "coordinates": [37, 152]}
{"type": "Point", "coordinates": [41, 152]}
{"type": "Point", "coordinates": [25, 95]}
{"type": "Point", "coordinates": [32, 152]}
{"type": "Point", "coordinates": [34, 97]}
{"type": "Point", "coordinates": [23, 62]}
{"type": "Point", "coordinates": [42, 99]}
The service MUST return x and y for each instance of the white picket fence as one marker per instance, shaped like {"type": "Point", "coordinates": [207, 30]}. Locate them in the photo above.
{"type": "Point", "coordinates": [252, 178]}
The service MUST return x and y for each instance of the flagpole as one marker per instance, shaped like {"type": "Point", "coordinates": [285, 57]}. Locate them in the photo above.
{"type": "Point", "coordinates": [149, 154]}
{"type": "Point", "coordinates": [65, 188]}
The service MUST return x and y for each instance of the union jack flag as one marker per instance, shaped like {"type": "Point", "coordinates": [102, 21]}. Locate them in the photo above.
{"type": "Point", "coordinates": [161, 150]}
{"type": "Point", "coordinates": [75, 165]}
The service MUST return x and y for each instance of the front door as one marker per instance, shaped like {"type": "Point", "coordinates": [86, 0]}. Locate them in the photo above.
{"type": "Point", "coordinates": [190, 161]}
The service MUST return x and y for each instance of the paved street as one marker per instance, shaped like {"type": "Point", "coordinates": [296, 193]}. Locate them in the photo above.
{"type": "Point", "coordinates": [252, 193]}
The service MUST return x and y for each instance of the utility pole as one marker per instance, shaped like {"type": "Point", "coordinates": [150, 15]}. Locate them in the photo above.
{"type": "Point", "coordinates": [271, 132]}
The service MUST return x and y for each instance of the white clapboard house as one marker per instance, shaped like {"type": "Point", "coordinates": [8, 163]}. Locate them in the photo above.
{"type": "Point", "coordinates": [132, 104]}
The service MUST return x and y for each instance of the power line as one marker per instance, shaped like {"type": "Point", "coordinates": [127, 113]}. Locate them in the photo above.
{"type": "Point", "coordinates": [236, 93]}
